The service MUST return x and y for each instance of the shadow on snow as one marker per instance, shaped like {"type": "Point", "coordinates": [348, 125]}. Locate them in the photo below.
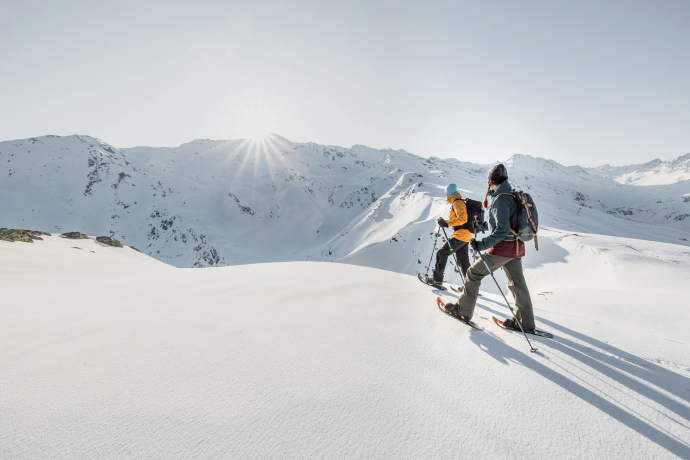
{"type": "Point", "coordinates": [634, 373]}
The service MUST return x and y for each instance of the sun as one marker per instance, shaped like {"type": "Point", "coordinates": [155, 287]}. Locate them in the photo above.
{"type": "Point", "coordinates": [257, 127]}
{"type": "Point", "coordinates": [258, 133]}
{"type": "Point", "coordinates": [256, 119]}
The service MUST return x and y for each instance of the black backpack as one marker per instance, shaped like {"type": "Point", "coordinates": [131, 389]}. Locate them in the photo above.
{"type": "Point", "coordinates": [475, 213]}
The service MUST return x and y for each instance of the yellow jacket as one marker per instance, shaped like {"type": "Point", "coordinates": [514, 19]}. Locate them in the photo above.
{"type": "Point", "coordinates": [458, 216]}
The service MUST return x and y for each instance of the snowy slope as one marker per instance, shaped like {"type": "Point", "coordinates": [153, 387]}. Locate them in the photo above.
{"type": "Point", "coordinates": [396, 233]}
{"type": "Point", "coordinates": [655, 172]}
{"type": "Point", "coordinates": [209, 203]}
{"type": "Point", "coordinates": [107, 353]}
{"type": "Point", "coordinates": [203, 203]}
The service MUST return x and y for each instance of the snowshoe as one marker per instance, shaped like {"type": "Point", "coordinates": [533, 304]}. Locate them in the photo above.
{"type": "Point", "coordinates": [450, 310]}
{"type": "Point", "coordinates": [430, 282]}
{"type": "Point", "coordinates": [511, 323]}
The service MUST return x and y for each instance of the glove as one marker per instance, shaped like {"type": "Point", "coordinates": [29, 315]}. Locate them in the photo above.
{"type": "Point", "coordinates": [474, 245]}
{"type": "Point", "coordinates": [442, 222]}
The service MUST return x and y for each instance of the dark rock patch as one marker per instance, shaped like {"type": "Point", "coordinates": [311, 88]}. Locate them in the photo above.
{"type": "Point", "coordinates": [109, 241]}
{"type": "Point", "coordinates": [135, 248]}
{"type": "Point", "coordinates": [16, 234]}
{"type": "Point", "coordinates": [75, 236]}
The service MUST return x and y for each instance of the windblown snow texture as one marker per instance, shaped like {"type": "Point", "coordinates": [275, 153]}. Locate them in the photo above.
{"type": "Point", "coordinates": [108, 353]}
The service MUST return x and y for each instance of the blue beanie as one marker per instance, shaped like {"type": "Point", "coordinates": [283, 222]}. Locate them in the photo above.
{"type": "Point", "coordinates": [452, 189]}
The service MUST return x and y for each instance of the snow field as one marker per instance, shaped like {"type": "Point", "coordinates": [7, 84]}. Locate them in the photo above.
{"type": "Point", "coordinates": [112, 354]}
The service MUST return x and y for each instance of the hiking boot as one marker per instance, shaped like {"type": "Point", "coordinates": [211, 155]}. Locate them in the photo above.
{"type": "Point", "coordinates": [433, 281]}
{"type": "Point", "coordinates": [466, 319]}
{"type": "Point", "coordinates": [513, 325]}
{"type": "Point", "coordinates": [452, 309]}
{"type": "Point", "coordinates": [510, 324]}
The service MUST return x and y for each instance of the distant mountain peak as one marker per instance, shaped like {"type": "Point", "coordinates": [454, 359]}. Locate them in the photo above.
{"type": "Point", "coordinates": [655, 172]}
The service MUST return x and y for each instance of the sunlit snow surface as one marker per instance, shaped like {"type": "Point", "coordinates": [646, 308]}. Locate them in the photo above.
{"type": "Point", "coordinates": [107, 353]}
{"type": "Point", "coordinates": [318, 341]}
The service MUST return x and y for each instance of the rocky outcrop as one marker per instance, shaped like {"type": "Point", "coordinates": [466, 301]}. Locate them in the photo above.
{"type": "Point", "coordinates": [15, 234]}
{"type": "Point", "coordinates": [109, 241]}
{"type": "Point", "coordinates": [75, 236]}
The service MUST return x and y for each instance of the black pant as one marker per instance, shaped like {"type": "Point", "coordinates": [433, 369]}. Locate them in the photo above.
{"type": "Point", "coordinates": [457, 246]}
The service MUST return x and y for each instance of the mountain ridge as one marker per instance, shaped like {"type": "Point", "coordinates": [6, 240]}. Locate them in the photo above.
{"type": "Point", "coordinates": [655, 172]}
{"type": "Point", "coordinates": [229, 202]}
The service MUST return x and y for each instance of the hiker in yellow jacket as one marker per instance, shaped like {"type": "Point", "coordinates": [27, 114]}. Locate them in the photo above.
{"type": "Point", "coordinates": [460, 237]}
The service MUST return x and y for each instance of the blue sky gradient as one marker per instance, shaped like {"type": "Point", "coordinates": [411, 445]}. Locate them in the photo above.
{"type": "Point", "coordinates": [586, 82]}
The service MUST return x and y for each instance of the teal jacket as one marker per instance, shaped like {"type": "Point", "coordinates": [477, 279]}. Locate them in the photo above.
{"type": "Point", "coordinates": [502, 212]}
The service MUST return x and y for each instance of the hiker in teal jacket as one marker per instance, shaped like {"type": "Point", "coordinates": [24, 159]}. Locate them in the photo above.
{"type": "Point", "coordinates": [502, 250]}
{"type": "Point", "coordinates": [502, 218]}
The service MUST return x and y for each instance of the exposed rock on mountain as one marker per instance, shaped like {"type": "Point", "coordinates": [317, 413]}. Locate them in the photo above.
{"type": "Point", "coordinates": [75, 236]}
{"type": "Point", "coordinates": [109, 241]}
{"type": "Point", "coordinates": [26, 236]}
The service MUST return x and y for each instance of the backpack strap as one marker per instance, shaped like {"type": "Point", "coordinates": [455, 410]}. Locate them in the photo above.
{"type": "Point", "coordinates": [463, 226]}
{"type": "Point", "coordinates": [452, 208]}
{"type": "Point", "coordinates": [505, 193]}
{"type": "Point", "coordinates": [511, 193]}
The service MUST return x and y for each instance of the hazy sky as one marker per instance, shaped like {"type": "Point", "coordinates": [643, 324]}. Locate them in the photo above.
{"type": "Point", "coordinates": [581, 82]}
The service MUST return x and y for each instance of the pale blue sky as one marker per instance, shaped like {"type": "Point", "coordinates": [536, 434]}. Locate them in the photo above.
{"type": "Point", "coordinates": [581, 82]}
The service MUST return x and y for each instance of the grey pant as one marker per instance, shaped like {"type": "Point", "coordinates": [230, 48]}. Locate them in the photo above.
{"type": "Point", "coordinates": [516, 284]}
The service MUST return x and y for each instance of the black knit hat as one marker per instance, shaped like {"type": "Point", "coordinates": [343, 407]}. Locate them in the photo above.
{"type": "Point", "coordinates": [498, 174]}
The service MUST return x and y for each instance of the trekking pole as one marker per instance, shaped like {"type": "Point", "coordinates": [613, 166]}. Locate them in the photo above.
{"type": "Point", "coordinates": [474, 253]}
{"type": "Point", "coordinates": [462, 276]}
{"type": "Point", "coordinates": [532, 349]}
{"type": "Point", "coordinates": [432, 254]}
{"type": "Point", "coordinates": [476, 232]}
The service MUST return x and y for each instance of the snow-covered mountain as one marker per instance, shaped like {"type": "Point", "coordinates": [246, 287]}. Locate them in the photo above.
{"type": "Point", "coordinates": [203, 203]}
{"type": "Point", "coordinates": [655, 172]}
{"type": "Point", "coordinates": [208, 203]}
